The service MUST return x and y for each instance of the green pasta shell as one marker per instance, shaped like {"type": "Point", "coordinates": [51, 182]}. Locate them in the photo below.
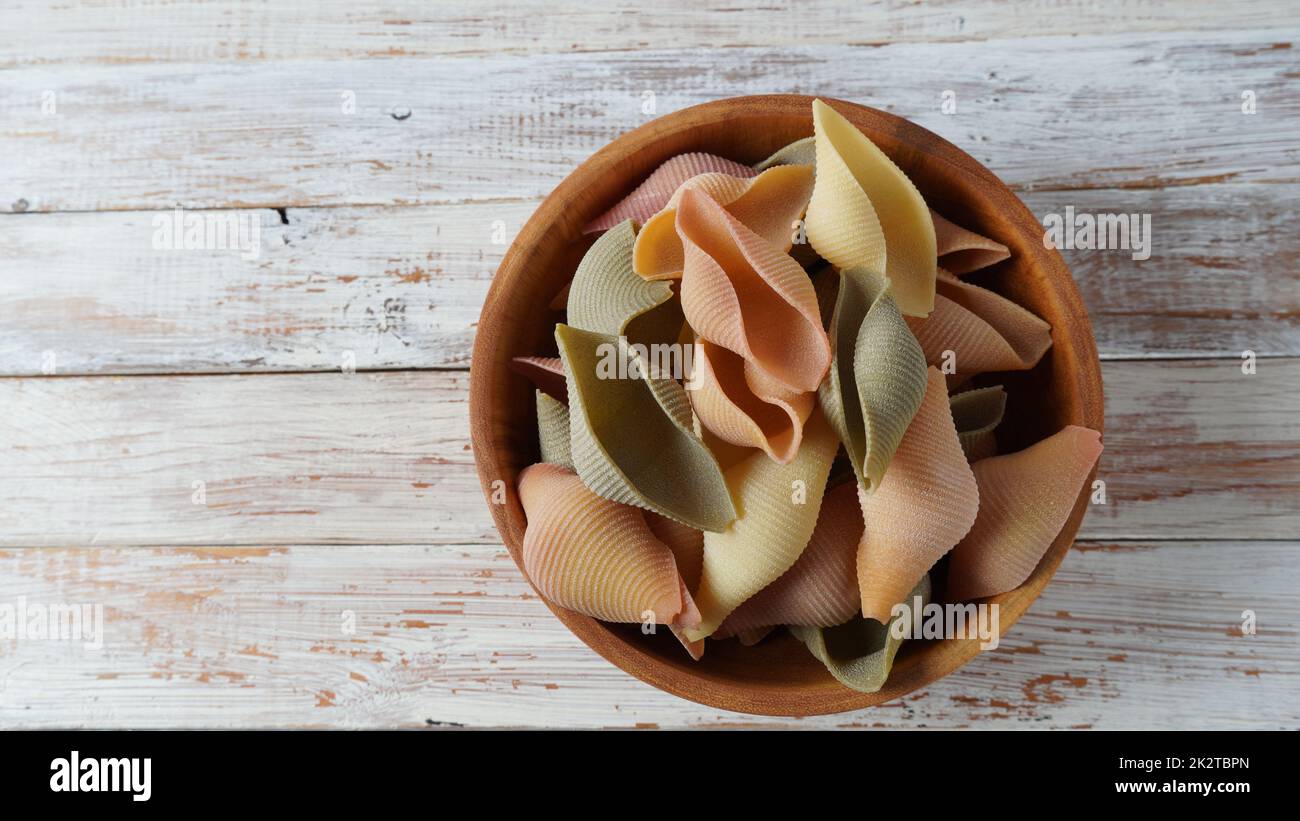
{"type": "Point", "coordinates": [859, 653]}
{"type": "Point", "coordinates": [631, 435]}
{"type": "Point", "coordinates": [877, 377]}
{"type": "Point", "coordinates": [553, 431]}
{"type": "Point", "coordinates": [976, 413]}
{"type": "Point", "coordinates": [799, 152]}
{"type": "Point", "coordinates": [606, 294]}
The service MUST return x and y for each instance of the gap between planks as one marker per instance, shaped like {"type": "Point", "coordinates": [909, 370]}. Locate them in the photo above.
{"type": "Point", "coordinates": [1192, 449]}
{"type": "Point", "coordinates": [1107, 110]}
{"type": "Point", "coordinates": [402, 287]}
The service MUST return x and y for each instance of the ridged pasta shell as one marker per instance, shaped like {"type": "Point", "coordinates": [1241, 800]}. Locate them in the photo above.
{"type": "Point", "coordinates": [821, 588]}
{"type": "Point", "coordinates": [976, 344]}
{"type": "Point", "coordinates": [976, 413]}
{"type": "Point", "coordinates": [768, 205]}
{"type": "Point", "coordinates": [779, 505]}
{"type": "Point", "coordinates": [922, 507]}
{"type": "Point", "coordinates": [605, 294]}
{"type": "Point", "coordinates": [1025, 498]}
{"type": "Point", "coordinates": [741, 292]}
{"type": "Point", "coordinates": [732, 410]}
{"type": "Point", "coordinates": [631, 434]}
{"type": "Point", "coordinates": [799, 152]}
{"type": "Point", "coordinates": [1027, 335]}
{"type": "Point", "coordinates": [553, 431]}
{"type": "Point", "coordinates": [653, 194]}
{"type": "Point", "coordinates": [864, 211]}
{"type": "Point", "coordinates": [592, 555]}
{"type": "Point", "coordinates": [687, 545]}
{"type": "Point", "coordinates": [877, 377]}
{"type": "Point", "coordinates": [961, 251]}
{"type": "Point", "coordinates": [860, 653]}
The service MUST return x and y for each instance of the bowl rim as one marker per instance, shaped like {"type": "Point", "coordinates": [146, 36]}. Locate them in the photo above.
{"type": "Point", "coordinates": [761, 699]}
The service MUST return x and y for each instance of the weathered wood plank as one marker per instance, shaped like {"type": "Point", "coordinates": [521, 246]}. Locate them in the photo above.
{"type": "Point", "coordinates": [134, 32]}
{"type": "Point", "coordinates": [379, 287]}
{"type": "Point", "coordinates": [1137, 635]}
{"type": "Point", "coordinates": [1221, 278]}
{"type": "Point", "coordinates": [310, 459]}
{"type": "Point", "coordinates": [1122, 110]}
{"type": "Point", "coordinates": [1194, 449]}
{"type": "Point", "coordinates": [1199, 449]}
{"type": "Point", "coordinates": [402, 287]}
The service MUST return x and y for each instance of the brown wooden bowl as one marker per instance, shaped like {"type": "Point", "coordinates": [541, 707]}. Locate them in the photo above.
{"type": "Point", "coordinates": [778, 676]}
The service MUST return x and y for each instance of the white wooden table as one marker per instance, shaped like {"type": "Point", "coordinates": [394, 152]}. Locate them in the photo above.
{"type": "Point", "coordinates": [279, 542]}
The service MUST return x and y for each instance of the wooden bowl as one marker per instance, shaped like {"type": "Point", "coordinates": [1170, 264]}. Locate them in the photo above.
{"type": "Point", "coordinates": [778, 676]}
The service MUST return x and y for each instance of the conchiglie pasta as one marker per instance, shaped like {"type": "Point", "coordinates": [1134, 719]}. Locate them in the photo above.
{"type": "Point", "coordinates": [657, 463]}
{"type": "Point", "coordinates": [729, 406]}
{"type": "Point", "coordinates": [606, 295]}
{"type": "Point", "coordinates": [976, 413]}
{"type": "Point", "coordinates": [961, 251]}
{"type": "Point", "coordinates": [923, 506]}
{"type": "Point", "coordinates": [821, 589]}
{"type": "Point", "coordinates": [954, 333]}
{"type": "Point", "coordinates": [592, 555]}
{"type": "Point", "coordinates": [553, 431]}
{"type": "Point", "coordinates": [687, 545]}
{"type": "Point", "coordinates": [778, 512]}
{"type": "Point", "coordinates": [799, 152]}
{"type": "Point", "coordinates": [768, 205]}
{"type": "Point", "coordinates": [1027, 335]}
{"type": "Point", "coordinates": [1025, 498]}
{"type": "Point", "coordinates": [653, 194]}
{"type": "Point", "coordinates": [741, 292]}
{"type": "Point", "coordinates": [865, 212]}
{"type": "Point", "coordinates": [877, 377]}
{"type": "Point", "coordinates": [860, 653]}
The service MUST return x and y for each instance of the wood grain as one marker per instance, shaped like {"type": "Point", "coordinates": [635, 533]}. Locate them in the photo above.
{"type": "Point", "coordinates": [1203, 448]}
{"type": "Point", "coordinates": [227, 104]}
{"type": "Point", "coordinates": [1127, 635]}
{"type": "Point", "coordinates": [301, 459]}
{"type": "Point", "coordinates": [402, 287]}
{"type": "Point", "coordinates": [1194, 449]}
{"type": "Point", "coordinates": [376, 287]}
{"type": "Point", "coordinates": [135, 31]}
{"type": "Point", "coordinates": [1149, 110]}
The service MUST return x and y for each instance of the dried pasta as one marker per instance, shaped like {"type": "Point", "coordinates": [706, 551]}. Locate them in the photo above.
{"type": "Point", "coordinates": [1025, 498]}
{"type": "Point", "coordinates": [865, 212]}
{"type": "Point", "coordinates": [768, 205]}
{"type": "Point", "coordinates": [658, 464]}
{"type": "Point", "coordinates": [711, 366]}
{"type": "Point", "coordinates": [596, 556]}
{"type": "Point", "coordinates": [735, 282]}
{"type": "Point", "coordinates": [924, 505]}
{"type": "Point", "coordinates": [653, 194]}
{"type": "Point", "coordinates": [778, 507]}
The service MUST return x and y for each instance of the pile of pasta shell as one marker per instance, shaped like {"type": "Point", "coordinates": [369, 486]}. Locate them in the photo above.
{"type": "Point", "coordinates": [824, 451]}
